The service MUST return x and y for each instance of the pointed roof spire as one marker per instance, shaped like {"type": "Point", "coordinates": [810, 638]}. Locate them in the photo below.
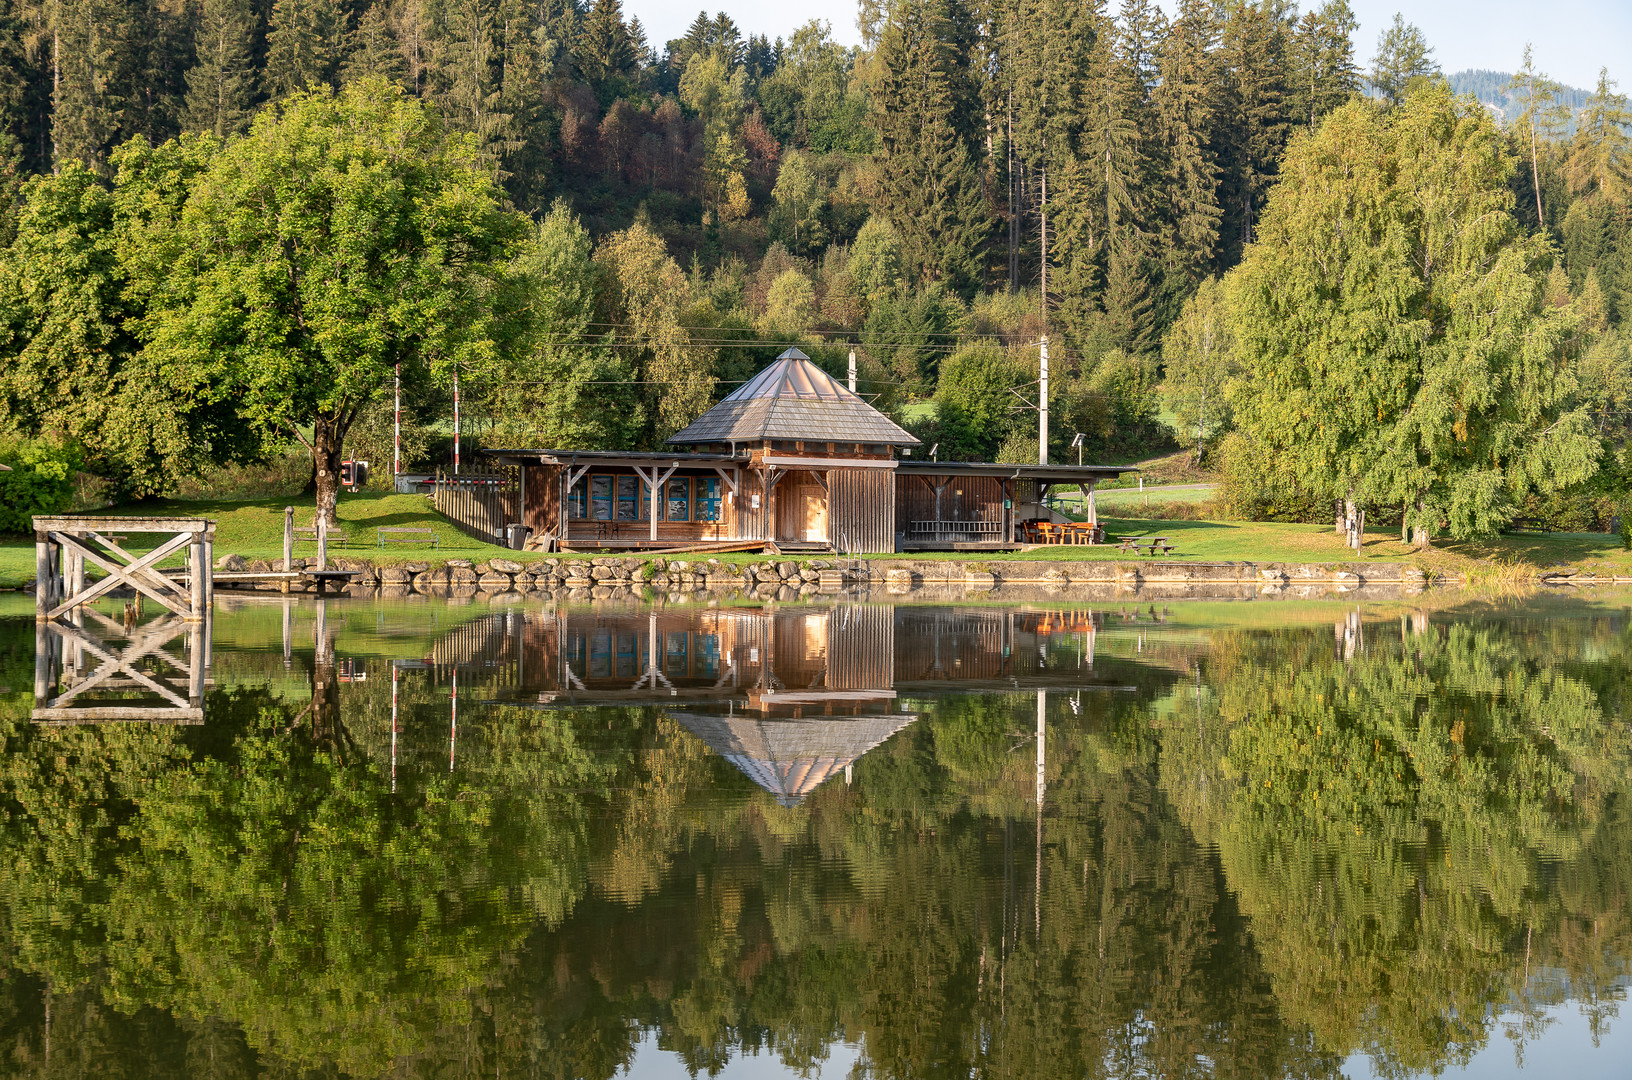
{"type": "Point", "coordinates": [793, 399]}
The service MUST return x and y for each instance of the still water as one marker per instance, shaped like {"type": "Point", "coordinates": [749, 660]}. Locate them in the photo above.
{"type": "Point", "coordinates": [1266, 839]}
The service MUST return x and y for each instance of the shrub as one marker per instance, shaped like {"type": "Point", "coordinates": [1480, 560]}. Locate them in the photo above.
{"type": "Point", "coordinates": [40, 480]}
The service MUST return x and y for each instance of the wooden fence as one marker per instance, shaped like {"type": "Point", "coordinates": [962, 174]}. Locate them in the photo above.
{"type": "Point", "coordinates": [480, 505]}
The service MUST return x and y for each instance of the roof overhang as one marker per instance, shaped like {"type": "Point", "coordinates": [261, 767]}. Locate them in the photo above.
{"type": "Point", "coordinates": [610, 457]}
{"type": "Point", "coordinates": [1048, 474]}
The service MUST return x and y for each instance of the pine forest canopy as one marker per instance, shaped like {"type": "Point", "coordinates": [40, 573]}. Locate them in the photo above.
{"type": "Point", "coordinates": [972, 177]}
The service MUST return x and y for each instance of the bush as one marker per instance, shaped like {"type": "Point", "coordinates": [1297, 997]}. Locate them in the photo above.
{"type": "Point", "coordinates": [40, 480]}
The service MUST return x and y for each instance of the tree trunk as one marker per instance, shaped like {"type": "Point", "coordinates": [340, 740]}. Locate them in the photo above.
{"type": "Point", "coordinates": [1419, 531]}
{"type": "Point", "coordinates": [328, 444]}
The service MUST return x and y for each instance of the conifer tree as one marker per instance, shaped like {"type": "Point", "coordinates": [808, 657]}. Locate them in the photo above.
{"type": "Point", "coordinates": [1541, 120]}
{"type": "Point", "coordinates": [88, 40]}
{"type": "Point", "coordinates": [1185, 106]}
{"type": "Point", "coordinates": [604, 51]}
{"type": "Point", "coordinates": [1600, 158]}
{"type": "Point", "coordinates": [1253, 127]}
{"type": "Point", "coordinates": [929, 175]}
{"type": "Point", "coordinates": [467, 83]}
{"type": "Point", "coordinates": [1325, 73]}
{"type": "Point", "coordinates": [304, 44]}
{"type": "Point", "coordinates": [1403, 58]}
{"type": "Point", "coordinates": [375, 50]}
{"type": "Point", "coordinates": [221, 85]}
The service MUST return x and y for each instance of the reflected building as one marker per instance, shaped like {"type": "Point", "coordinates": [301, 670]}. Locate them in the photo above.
{"type": "Point", "coordinates": [791, 696]}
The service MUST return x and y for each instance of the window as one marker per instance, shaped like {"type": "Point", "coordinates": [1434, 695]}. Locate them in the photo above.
{"type": "Point", "coordinates": [600, 497]}
{"type": "Point", "coordinates": [578, 501]}
{"type": "Point", "coordinates": [631, 502]}
{"type": "Point", "coordinates": [678, 504]}
{"type": "Point", "coordinates": [708, 499]}
{"type": "Point", "coordinates": [677, 654]}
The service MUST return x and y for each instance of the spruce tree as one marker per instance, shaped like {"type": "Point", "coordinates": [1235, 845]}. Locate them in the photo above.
{"type": "Point", "coordinates": [467, 86]}
{"type": "Point", "coordinates": [930, 181]}
{"type": "Point", "coordinates": [1600, 158]}
{"type": "Point", "coordinates": [89, 38]}
{"type": "Point", "coordinates": [221, 85]}
{"type": "Point", "coordinates": [304, 44]}
{"type": "Point", "coordinates": [375, 50]}
{"type": "Point", "coordinates": [1539, 123]}
{"type": "Point", "coordinates": [1253, 122]}
{"type": "Point", "coordinates": [1186, 106]}
{"type": "Point", "coordinates": [1324, 71]}
{"type": "Point", "coordinates": [1403, 59]}
{"type": "Point", "coordinates": [604, 51]}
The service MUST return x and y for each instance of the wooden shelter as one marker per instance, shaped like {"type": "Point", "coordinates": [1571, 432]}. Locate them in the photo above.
{"type": "Point", "coordinates": [791, 461]}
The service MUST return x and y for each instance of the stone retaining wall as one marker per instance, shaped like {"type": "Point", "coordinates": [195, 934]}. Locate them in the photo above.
{"type": "Point", "coordinates": [788, 578]}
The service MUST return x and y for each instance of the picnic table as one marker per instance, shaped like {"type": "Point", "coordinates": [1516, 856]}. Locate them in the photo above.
{"type": "Point", "coordinates": [1070, 532]}
{"type": "Point", "coordinates": [1152, 544]}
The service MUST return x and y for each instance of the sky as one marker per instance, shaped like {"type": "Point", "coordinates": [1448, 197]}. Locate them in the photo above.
{"type": "Point", "coordinates": [1572, 39]}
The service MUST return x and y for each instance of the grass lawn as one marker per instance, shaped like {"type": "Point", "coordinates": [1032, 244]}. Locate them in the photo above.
{"type": "Point", "coordinates": [1110, 498]}
{"type": "Point", "coordinates": [254, 529]}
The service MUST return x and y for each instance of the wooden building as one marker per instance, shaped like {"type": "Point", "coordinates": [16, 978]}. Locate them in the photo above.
{"type": "Point", "coordinates": [791, 461]}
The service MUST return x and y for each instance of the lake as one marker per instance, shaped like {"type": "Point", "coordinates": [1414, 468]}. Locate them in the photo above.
{"type": "Point", "coordinates": [360, 838]}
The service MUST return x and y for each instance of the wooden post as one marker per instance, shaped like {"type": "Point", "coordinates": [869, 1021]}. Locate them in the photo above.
{"type": "Point", "coordinates": [209, 569]}
{"type": "Point", "coordinates": [42, 665]}
{"type": "Point", "coordinates": [43, 601]}
{"type": "Point", "coordinates": [195, 665]}
{"type": "Point", "coordinates": [195, 596]}
{"type": "Point", "coordinates": [288, 540]}
{"type": "Point", "coordinates": [322, 544]}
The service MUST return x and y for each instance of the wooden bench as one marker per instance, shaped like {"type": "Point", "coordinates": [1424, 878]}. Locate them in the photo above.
{"type": "Point", "coordinates": [1153, 544]}
{"type": "Point", "coordinates": [403, 535]}
{"type": "Point", "coordinates": [308, 534]}
{"type": "Point", "coordinates": [946, 530]}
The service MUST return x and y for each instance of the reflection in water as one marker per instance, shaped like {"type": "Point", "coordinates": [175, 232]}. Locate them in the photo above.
{"type": "Point", "coordinates": [433, 841]}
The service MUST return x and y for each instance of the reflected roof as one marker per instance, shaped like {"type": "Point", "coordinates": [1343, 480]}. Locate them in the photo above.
{"type": "Point", "coordinates": [795, 400]}
{"type": "Point", "coordinates": [791, 758]}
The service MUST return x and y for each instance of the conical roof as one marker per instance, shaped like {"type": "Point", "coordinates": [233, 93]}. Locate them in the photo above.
{"type": "Point", "coordinates": [790, 758]}
{"type": "Point", "coordinates": [793, 399]}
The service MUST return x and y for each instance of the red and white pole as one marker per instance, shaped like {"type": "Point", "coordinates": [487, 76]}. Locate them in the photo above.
{"type": "Point", "coordinates": [456, 421]}
{"type": "Point", "coordinates": [453, 726]}
{"type": "Point", "coordinates": [396, 429]}
{"type": "Point", "coordinates": [393, 727]}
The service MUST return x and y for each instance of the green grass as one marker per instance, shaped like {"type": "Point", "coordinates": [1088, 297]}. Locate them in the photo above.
{"type": "Point", "coordinates": [254, 529]}
{"type": "Point", "coordinates": [1113, 497]}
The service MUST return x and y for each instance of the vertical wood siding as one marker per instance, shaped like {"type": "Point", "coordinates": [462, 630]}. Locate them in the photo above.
{"type": "Point", "coordinates": [861, 510]}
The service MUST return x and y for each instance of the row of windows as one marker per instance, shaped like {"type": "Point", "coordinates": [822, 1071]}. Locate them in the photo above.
{"type": "Point", "coordinates": [628, 498]}
{"type": "Point", "coordinates": [608, 655]}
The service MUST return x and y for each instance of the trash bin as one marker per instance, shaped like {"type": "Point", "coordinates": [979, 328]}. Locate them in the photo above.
{"type": "Point", "coordinates": [517, 535]}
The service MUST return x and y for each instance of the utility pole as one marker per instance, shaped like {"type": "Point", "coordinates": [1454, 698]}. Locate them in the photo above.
{"type": "Point", "coordinates": [396, 431]}
{"type": "Point", "coordinates": [1042, 404]}
{"type": "Point", "coordinates": [852, 370]}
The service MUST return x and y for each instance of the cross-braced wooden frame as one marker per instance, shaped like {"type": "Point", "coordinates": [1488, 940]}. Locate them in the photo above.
{"type": "Point", "coordinates": [118, 670]}
{"type": "Point", "coordinates": [63, 547]}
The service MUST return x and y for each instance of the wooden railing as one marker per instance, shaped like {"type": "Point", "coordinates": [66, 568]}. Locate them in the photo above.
{"type": "Point", "coordinates": [479, 505]}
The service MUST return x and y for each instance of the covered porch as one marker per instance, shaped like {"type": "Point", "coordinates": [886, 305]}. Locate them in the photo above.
{"type": "Point", "coordinates": [980, 506]}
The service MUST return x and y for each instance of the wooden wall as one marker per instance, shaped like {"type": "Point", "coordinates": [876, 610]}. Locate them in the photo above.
{"type": "Point", "coordinates": [541, 493]}
{"type": "Point", "coordinates": [963, 498]}
{"type": "Point", "coordinates": [861, 510]}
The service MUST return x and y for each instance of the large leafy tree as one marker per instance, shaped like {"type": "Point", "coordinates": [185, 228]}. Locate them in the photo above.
{"type": "Point", "coordinates": [344, 235]}
{"type": "Point", "coordinates": [1393, 327]}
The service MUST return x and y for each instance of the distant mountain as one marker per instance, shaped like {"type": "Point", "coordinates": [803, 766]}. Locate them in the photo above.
{"type": "Point", "coordinates": [1490, 88]}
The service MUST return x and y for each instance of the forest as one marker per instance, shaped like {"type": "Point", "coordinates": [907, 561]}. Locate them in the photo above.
{"type": "Point", "coordinates": [640, 226]}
